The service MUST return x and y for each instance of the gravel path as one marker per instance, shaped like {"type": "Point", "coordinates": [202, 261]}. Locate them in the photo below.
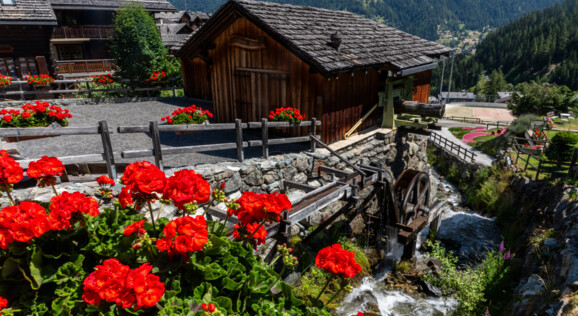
{"type": "Point", "coordinates": [141, 113]}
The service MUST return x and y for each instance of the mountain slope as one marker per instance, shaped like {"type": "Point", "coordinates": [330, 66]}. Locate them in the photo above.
{"type": "Point", "coordinates": [419, 17]}
{"type": "Point", "coordinates": [543, 43]}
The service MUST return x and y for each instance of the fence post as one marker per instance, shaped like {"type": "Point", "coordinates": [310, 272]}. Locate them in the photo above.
{"type": "Point", "coordinates": [173, 84]}
{"type": "Point", "coordinates": [314, 133]}
{"type": "Point", "coordinates": [89, 90]}
{"type": "Point", "coordinates": [239, 130]}
{"type": "Point", "coordinates": [573, 163]}
{"type": "Point", "coordinates": [154, 129]}
{"type": "Point", "coordinates": [107, 149]}
{"type": "Point", "coordinates": [539, 167]}
{"type": "Point", "coordinates": [527, 162]}
{"type": "Point", "coordinates": [265, 137]}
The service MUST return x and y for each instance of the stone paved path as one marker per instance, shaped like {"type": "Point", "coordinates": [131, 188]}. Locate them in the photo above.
{"type": "Point", "coordinates": [140, 113]}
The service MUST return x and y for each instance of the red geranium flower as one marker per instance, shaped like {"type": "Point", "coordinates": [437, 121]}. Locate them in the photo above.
{"type": "Point", "coordinates": [104, 180]}
{"type": "Point", "coordinates": [22, 223]}
{"type": "Point", "coordinates": [243, 231]}
{"type": "Point", "coordinates": [337, 260]}
{"type": "Point", "coordinates": [117, 283]}
{"type": "Point", "coordinates": [124, 198]}
{"type": "Point", "coordinates": [45, 170]}
{"type": "Point", "coordinates": [209, 308]}
{"type": "Point", "coordinates": [358, 314]}
{"type": "Point", "coordinates": [136, 227]}
{"type": "Point", "coordinates": [10, 171]}
{"type": "Point", "coordinates": [63, 207]}
{"type": "Point", "coordinates": [185, 186]}
{"type": "Point", "coordinates": [184, 234]}
{"type": "Point", "coordinates": [3, 302]}
{"type": "Point", "coordinates": [143, 180]}
{"type": "Point", "coordinates": [255, 207]}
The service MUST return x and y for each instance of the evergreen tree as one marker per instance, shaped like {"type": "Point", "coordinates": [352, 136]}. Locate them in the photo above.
{"type": "Point", "coordinates": [137, 45]}
{"type": "Point", "coordinates": [495, 83]}
{"type": "Point", "coordinates": [561, 146]}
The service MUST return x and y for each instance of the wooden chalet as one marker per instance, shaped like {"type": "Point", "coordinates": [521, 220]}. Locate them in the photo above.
{"type": "Point", "coordinates": [61, 37]}
{"type": "Point", "coordinates": [252, 57]}
{"type": "Point", "coordinates": [25, 28]}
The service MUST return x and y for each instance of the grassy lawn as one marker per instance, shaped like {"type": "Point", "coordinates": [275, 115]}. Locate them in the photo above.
{"type": "Point", "coordinates": [546, 169]}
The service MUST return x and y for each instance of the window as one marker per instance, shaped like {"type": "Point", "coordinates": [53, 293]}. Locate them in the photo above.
{"type": "Point", "coordinates": [18, 67]}
{"type": "Point", "coordinates": [70, 52]}
{"type": "Point", "coordinates": [7, 67]}
{"type": "Point", "coordinates": [28, 66]}
{"type": "Point", "coordinates": [7, 2]}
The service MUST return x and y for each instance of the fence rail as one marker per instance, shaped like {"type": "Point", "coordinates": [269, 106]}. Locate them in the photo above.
{"type": "Point", "coordinates": [453, 148]}
{"type": "Point", "coordinates": [573, 168]}
{"type": "Point", "coordinates": [477, 120]}
{"type": "Point", "coordinates": [84, 66]}
{"type": "Point", "coordinates": [62, 87]}
{"type": "Point", "coordinates": [85, 31]}
{"type": "Point", "coordinates": [239, 144]}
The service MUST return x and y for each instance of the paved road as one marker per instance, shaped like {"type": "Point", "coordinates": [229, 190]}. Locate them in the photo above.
{"type": "Point", "coordinates": [140, 113]}
{"type": "Point", "coordinates": [480, 156]}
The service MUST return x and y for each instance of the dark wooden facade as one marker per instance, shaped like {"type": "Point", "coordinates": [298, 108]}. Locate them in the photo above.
{"type": "Point", "coordinates": [24, 50]}
{"type": "Point", "coordinates": [247, 82]}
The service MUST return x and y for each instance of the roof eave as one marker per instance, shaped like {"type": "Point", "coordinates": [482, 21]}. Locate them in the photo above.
{"type": "Point", "coordinates": [41, 23]}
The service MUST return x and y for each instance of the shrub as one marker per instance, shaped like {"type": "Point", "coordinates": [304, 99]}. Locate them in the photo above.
{"type": "Point", "coordinates": [562, 146]}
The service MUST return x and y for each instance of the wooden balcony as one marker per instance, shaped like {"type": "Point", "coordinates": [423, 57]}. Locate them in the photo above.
{"type": "Point", "coordinates": [84, 66]}
{"type": "Point", "coordinates": [85, 31]}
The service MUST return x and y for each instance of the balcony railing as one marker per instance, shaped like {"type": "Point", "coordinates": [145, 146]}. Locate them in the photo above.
{"type": "Point", "coordinates": [87, 31]}
{"type": "Point", "coordinates": [84, 66]}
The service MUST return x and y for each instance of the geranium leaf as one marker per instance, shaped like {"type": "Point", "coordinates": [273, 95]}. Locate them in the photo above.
{"type": "Point", "coordinates": [224, 302]}
{"type": "Point", "coordinates": [9, 267]}
{"type": "Point", "coordinates": [229, 284]}
{"type": "Point", "coordinates": [36, 268]}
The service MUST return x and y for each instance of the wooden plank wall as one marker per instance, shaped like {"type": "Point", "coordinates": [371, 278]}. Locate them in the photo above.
{"type": "Point", "coordinates": [196, 78]}
{"type": "Point", "coordinates": [421, 86]}
{"type": "Point", "coordinates": [347, 99]}
{"type": "Point", "coordinates": [303, 88]}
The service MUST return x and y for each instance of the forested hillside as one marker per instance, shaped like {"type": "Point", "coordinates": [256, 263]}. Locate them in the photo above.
{"type": "Point", "coordinates": [419, 17]}
{"type": "Point", "coordinates": [543, 43]}
{"type": "Point", "coordinates": [540, 46]}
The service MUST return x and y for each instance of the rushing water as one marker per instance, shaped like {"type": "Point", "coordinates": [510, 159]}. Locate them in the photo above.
{"type": "Point", "coordinates": [372, 296]}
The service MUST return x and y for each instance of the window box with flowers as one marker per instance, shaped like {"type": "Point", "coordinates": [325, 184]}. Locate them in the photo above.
{"type": "Point", "coordinates": [5, 81]}
{"type": "Point", "coordinates": [190, 116]}
{"type": "Point", "coordinates": [39, 114]}
{"type": "Point", "coordinates": [39, 80]}
{"type": "Point", "coordinates": [103, 80]}
{"type": "Point", "coordinates": [157, 78]}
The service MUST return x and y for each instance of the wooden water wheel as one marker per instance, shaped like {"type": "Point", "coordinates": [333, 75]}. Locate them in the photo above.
{"type": "Point", "coordinates": [412, 193]}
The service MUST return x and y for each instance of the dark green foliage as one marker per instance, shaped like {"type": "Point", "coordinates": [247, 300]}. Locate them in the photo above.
{"type": "Point", "coordinates": [521, 124]}
{"type": "Point", "coordinates": [137, 45]}
{"type": "Point", "coordinates": [561, 146]}
{"type": "Point", "coordinates": [541, 98]}
{"type": "Point", "coordinates": [420, 18]}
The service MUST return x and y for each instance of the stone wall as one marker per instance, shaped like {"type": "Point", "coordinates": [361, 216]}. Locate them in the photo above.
{"type": "Point", "coordinates": [468, 169]}
{"type": "Point", "coordinates": [549, 266]}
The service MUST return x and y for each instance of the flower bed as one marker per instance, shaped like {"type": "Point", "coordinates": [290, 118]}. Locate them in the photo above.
{"type": "Point", "coordinates": [157, 77]}
{"type": "Point", "coordinates": [68, 257]}
{"type": "Point", "coordinates": [287, 114]}
{"type": "Point", "coordinates": [39, 114]}
{"type": "Point", "coordinates": [103, 79]}
{"type": "Point", "coordinates": [189, 115]}
{"type": "Point", "coordinates": [5, 81]}
{"type": "Point", "coordinates": [470, 137]}
{"type": "Point", "coordinates": [39, 80]}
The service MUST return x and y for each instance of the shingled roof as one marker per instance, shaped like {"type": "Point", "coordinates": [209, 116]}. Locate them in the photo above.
{"type": "Point", "coordinates": [173, 33]}
{"type": "Point", "coordinates": [306, 31]}
{"type": "Point", "coordinates": [173, 17]}
{"type": "Point", "coordinates": [27, 12]}
{"type": "Point", "coordinates": [149, 5]}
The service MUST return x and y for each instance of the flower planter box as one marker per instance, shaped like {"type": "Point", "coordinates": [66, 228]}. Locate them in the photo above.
{"type": "Point", "coordinates": [37, 85]}
{"type": "Point", "coordinates": [184, 132]}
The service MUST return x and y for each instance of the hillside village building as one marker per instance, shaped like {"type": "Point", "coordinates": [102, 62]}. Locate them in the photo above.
{"type": "Point", "coordinates": [252, 57]}
{"type": "Point", "coordinates": [60, 37]}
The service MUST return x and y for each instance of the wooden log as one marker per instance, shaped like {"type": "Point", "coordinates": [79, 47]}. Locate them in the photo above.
{"type": "Point", "coordinates": [419, 108]}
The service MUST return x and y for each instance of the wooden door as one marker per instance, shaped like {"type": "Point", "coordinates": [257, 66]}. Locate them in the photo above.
{"type": "Point", "coordinates": [258, 91]}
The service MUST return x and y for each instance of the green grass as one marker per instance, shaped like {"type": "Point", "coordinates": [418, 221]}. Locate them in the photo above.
{"type": "Point", "coordinates": [459, 132]}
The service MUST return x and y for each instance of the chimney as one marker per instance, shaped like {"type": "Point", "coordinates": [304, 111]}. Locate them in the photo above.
{"type": "Point", "coordinates": [336, 40]}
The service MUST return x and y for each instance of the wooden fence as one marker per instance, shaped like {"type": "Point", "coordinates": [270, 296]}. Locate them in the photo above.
{"type": "Point", "coordinates": [455, 149]}
{"type": "Point", "coordinates": [239, 144]}
{"type": "Point", "coordinates": [542, 163]}
{"type": "Point", "coordinates": [68, 87]}
{"type": "Point", "coordinates": [108, 156]}
{"type": "Point", "coordinates": [477, 120]}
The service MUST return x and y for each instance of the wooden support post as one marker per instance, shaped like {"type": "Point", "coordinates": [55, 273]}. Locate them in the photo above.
{"type": "Point", "coordinates": [386, 100]}
{"type": "Point", "coordinates": [539, 167]}
{"type": "Point", "coordinates": [265, 137]}
{"type": "Point", "coordinates": [314, 133]}
{"type": "Point", "coordinates": [107, 149]}
{"type": "Point", "coordinates": [157, 151]}
{"type": "Point", "coordinates": [239, 130]}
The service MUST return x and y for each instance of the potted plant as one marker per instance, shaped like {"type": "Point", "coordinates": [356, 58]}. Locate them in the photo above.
{"type": "Point", "coordinates": [157, 77]}
{"type": "Point", "coordinates": [103, 80]}
{"type": "Point", "coordinates": [39, 80]}
{"type": "Point", "coordinates": [5, 81]}
{"type": "Point", "coordinates": [189, 115]}
{"type": "Point", "coordinates": [39, 114]}
{"type": "Point", "coordinates": [287, 114]}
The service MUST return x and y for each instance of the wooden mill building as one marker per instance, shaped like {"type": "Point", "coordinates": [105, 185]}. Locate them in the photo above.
{"type": "Point", "coordinates": [253, 56]}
